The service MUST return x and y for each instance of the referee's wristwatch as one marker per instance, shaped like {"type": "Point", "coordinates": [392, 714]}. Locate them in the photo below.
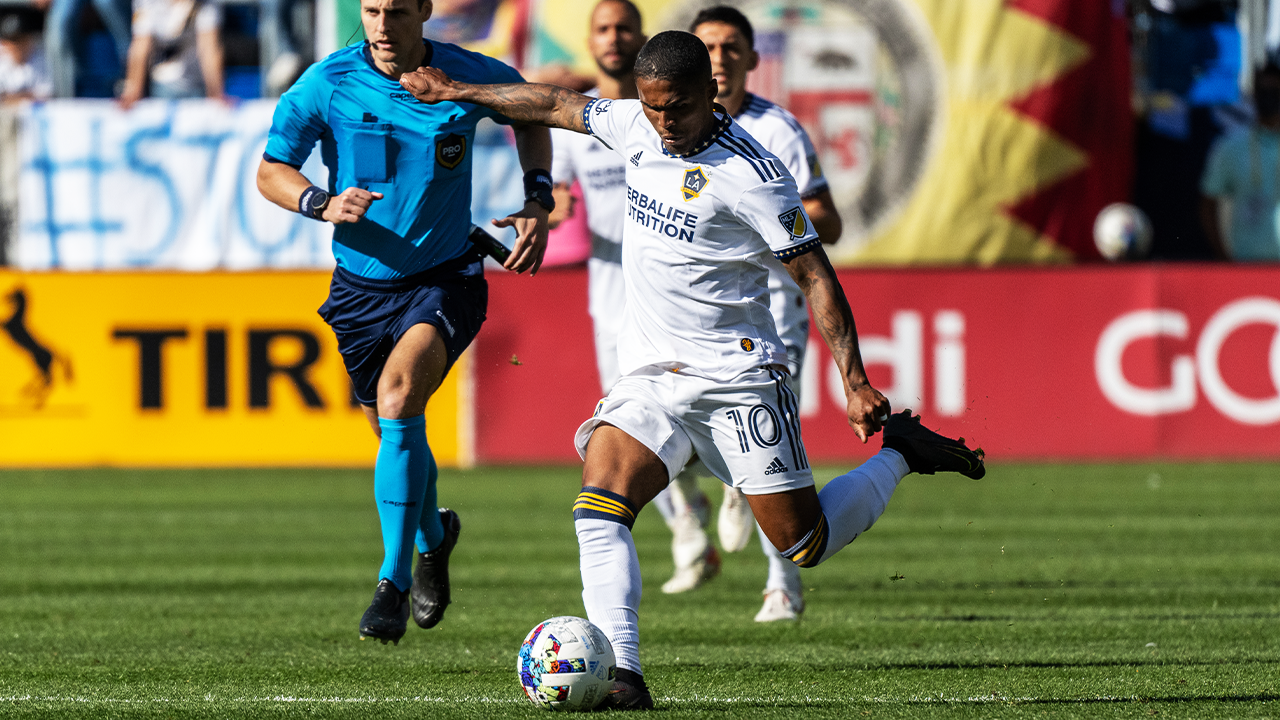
{"type": "Point", "coordinates": [313, 202]}
{"type": "Point", "coordinates": [537, 188]}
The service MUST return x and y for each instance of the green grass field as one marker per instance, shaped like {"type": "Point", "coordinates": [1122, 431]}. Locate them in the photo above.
{"type": "Point", "coordinates": [1040, 591]}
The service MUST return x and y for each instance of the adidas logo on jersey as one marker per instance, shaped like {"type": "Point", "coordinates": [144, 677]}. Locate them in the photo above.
{"type": "Point", "coordinates": [775, 467]}
{"type": "Point", "coordinates": [635, 159]}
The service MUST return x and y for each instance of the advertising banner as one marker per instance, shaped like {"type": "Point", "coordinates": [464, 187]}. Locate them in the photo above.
{"type": "Point", "coordinates": [172, 185]}
{"type": "Point", "coordinates": [1104, 363]}
{"type": "Point", "coordinates": [169, 369]}
{"type": "Point", "coordinates": [982, 131]}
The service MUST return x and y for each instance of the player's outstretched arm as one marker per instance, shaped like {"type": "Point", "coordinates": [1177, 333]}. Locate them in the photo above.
{"type": "Point", "coordinates": [867, 408]}
{"type": "Point", "coordinates": [523, 102]}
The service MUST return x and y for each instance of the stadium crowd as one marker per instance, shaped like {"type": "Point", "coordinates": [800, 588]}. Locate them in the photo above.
{"type": "Point", "coordinates": [1193, 82]}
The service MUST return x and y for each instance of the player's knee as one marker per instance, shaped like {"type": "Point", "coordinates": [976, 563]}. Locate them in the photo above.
{"type": "Point", "coordinates": [809, 551]}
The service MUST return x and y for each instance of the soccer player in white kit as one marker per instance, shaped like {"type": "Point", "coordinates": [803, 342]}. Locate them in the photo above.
{"type": "Point", "coordinates": [704, 371]}
{"type": "Point", "coordinates": [730, 41]}
{"type": "Point", "coordinates": [614, 38]}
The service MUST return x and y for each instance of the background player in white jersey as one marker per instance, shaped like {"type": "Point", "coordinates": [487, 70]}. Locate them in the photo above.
{"type": "Point", "coordinates": [730, 42]}
{"type": "Point", "coordinates": [614, 39]}
{"type": "Point", "coordinates": [704, 371]}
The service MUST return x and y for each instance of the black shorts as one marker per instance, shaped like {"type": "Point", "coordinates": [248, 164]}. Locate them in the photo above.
{"type": "Point", "coordinates": [370, 316]}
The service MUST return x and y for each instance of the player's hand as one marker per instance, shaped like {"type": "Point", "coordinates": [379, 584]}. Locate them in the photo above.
{"type": "Point", "coordinates": [531, 238]}
{"type": "Point", "coordinates": [868, 411]}
{"type": "Point", "coordinates": [564, 205]}
{"type": "Point", "coordinates": [428, 84]}
{"type": "Point", "coordinates": [350, 205]}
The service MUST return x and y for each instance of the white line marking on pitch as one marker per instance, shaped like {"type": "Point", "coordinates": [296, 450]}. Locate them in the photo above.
{"type": "Point", "coordinates": [519, 700]}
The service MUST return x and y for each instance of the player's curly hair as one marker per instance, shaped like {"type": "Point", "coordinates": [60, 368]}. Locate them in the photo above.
{"type": "Point", "coordinates": [674, 55]}
{"type": "Point", "coordinates": [729, 16]}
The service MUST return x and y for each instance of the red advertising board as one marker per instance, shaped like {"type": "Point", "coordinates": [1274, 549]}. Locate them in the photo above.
{"type": "Point", "coordinates": [1081, 363]}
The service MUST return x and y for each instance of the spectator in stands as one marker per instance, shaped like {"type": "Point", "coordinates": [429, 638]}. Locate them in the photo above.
{"type": "Point", "coordinates": [176, 51]}
{"type": "Point", "coordinates": [61, 32]}
{"type": "Point", "coordinates": [283, 61]}
{"type": "Point", "coordinates": [24, 72]}
{"type": "Point", "coordinates": [1244, 170]}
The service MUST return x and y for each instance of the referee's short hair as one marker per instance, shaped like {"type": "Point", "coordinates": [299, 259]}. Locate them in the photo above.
{"type": "Point", "coordinates": [729, 16]}
{"type": "Point", "coordinates": [674, 55]}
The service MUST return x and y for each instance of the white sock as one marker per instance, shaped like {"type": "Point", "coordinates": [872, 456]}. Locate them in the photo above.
{"type": "Point", "coordinates": [611, 585]}
{"type": "Point", "coordinates": [783, 574]}
{"type": "Point", "coordinates": [854, 501]}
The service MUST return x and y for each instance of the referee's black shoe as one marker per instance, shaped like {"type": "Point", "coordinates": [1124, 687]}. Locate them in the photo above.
{"type": "Point", "coordinates": [927, 452]}
{"type": "Point", "coordinates": [430, 590]}
{"type": "Point", "coordinates": [628, 692]}
{"type": "Point", "coordinates": [388, 614]}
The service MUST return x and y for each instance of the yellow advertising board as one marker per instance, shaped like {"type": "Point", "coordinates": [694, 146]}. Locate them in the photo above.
{"type": "Point", "coordinates": [168, 369]}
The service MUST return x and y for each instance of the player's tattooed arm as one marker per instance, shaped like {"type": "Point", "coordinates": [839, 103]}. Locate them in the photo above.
{"type": "Point", "coordinates": [812, 271]}
{"type": "Point", "coordinates": [523, 102]}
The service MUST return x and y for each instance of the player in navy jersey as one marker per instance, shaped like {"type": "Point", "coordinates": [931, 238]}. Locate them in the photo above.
{"type": "Point", "coordinates": [408, 294]}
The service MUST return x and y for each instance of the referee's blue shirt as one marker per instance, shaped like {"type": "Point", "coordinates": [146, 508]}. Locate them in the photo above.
{"type": "Point", "coordinates": [375, 135]}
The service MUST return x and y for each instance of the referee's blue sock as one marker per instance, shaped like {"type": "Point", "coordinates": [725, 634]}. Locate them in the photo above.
{"type": "Point", "coordinates": [403, 472]}
{"type": "Point", "coordinates": [430, 529]}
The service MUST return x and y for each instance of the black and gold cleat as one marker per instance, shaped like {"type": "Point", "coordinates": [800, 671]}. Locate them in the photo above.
{"type": "Point", "coordinates": [628, 693]}
{"type": "Point", "coordinates": [388, 614]}
{"type": "Point", "coordinates": [927, 452]}
{"type": "Point", "coordinates": [430, 592]}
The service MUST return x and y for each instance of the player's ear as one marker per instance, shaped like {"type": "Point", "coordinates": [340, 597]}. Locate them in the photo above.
{"type": "Point", "coordinates": [425, 8]}
{"type": "Point", "coordinates": [713, 89]}
{"type": "Point", "coordinates": [754, 62]}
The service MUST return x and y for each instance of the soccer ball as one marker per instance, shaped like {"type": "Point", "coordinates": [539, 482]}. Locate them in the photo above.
{"type": "Point", "coordinates": [1122, 232]}
{"type": "Point", "coordinates": [566, 663]}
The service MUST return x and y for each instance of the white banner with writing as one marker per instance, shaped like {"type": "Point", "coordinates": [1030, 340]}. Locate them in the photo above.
{"type": "Point", "coordinates": [171, 184]}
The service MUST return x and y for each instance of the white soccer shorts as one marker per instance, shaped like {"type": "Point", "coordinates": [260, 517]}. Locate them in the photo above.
{"type": "Point", "coordinates": [746, 430]}
{"type": "Point", "coordinates": [606, 299]}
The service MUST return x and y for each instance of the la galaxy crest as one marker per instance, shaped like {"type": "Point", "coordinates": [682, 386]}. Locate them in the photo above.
{"type": "Point", "coordinates": [695, 181]}
{"type": "Point", "coordinates": [450, 150]}
{"type": "Point", "coordinates": [793, 221]}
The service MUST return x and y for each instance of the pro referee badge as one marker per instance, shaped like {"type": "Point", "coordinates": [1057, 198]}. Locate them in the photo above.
{"type": "Point", "coordinates": [793, 221]}
{"type": "Point", "coordinates": [695, 181]}
{"type": "Point", "coordinates": [450, 150]}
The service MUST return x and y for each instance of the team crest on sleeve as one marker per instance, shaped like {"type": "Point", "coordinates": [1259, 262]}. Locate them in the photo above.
{"type": "Point", "coordinates": [793, 221]}
{"type": "Point", "coordinates": [450, 150]}
{"type": "Point", "coordinates": [747, 344]}
{"type": "Point", "coordinates": [695, 181]}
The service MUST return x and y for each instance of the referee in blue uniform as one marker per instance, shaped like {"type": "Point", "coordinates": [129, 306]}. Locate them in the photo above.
{"type": "Point", "coordinates": [408, 294]}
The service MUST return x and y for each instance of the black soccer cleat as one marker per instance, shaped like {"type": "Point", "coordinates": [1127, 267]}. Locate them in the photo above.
{"type": "Point", "coordinates": [628, 693]}
{"type": "Point", "coordinates": [430, 590]}
{"type": "Point", "coordinates": [927, 452]}
{"type": "Point", "coordinates": [388, 614]}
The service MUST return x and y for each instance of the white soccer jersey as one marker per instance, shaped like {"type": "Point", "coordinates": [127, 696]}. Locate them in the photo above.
{"type": "Point", "coordinates": [602, 174]}
{"type": "Point", "coordinates": [780, 132]}
{"type": "Point", "coordinates": [699, 231]}
{"type": "Point", "coordinates": [604, 186]}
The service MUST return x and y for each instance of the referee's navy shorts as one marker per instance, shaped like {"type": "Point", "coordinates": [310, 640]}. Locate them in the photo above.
{"type": "Point", "coordinates": [370, 316]}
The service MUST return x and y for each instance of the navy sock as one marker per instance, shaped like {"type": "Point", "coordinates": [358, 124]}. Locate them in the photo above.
{"type": "Point", "coordinates": [400, 481]}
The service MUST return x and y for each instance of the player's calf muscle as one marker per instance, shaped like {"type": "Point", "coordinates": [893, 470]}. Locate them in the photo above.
{"type": "Point", "coordinates": [786, 517]}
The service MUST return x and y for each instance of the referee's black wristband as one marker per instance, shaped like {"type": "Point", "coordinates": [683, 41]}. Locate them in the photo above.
{"type": "Point", "coordinates": [537, 187]}
{"type": "Point", "coordinates": [313, 202]}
